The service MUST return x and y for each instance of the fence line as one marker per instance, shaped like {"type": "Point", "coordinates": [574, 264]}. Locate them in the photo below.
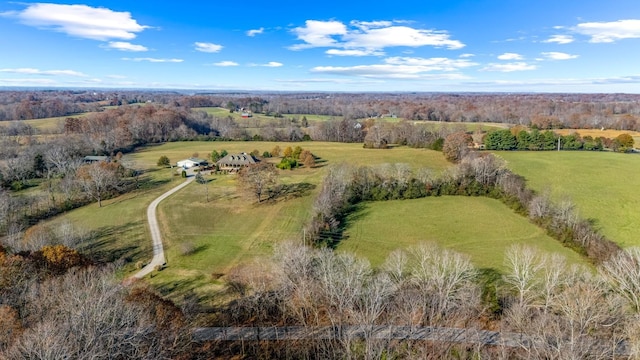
{"type": "Point", "coordinates": [379, 332]}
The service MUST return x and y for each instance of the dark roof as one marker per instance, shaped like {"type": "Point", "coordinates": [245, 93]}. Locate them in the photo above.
{"type": "Point", "coordinates": [237, 159]}
{"type": "Point", "coordinates": [92, 158]}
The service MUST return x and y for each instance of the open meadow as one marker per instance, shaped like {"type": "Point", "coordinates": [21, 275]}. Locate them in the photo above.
{"type": "Point", "coordinates": [479, 227]}
{"type": "Point", "coordinates": [603, 186]}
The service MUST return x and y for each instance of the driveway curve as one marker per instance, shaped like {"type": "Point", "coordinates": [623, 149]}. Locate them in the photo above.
{"type": "Point", "coordinates": [156, 237]}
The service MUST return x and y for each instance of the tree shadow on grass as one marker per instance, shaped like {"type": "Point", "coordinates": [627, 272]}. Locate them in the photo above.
{"type": "Point", "coordinates": [291, 191]}
{"type": "Point", "coordinates": [183, 289]}
{"type": "Point", "coordinates": [351, 215]}
{"type": "Point", "coordinates": [195, 250]}
{"type": "Point", "coordinates": [103, 245]}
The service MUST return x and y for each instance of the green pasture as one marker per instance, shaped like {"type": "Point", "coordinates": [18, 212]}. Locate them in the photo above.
{"type": "Point", "coordinates": [232, 229]}
{"type": "Point", "coordinates": [119, 228]}
{"type": "Point", "coordinates": [228, 230]}
{"type": "Point", "coordinates": [328, 153]}
{"type": "Point", "coordinates": [603, 186]}
{"type": "Point", "coordinates": [46, 125]}
{"type": "Point", "coordinates": [479, 227]}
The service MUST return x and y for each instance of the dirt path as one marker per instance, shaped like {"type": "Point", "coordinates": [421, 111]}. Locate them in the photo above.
{"type": "Point", "coordinates": [158, 250]}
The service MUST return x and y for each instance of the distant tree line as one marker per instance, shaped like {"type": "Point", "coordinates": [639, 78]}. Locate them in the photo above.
{"type": "Point", "coordinates": [543, 111]}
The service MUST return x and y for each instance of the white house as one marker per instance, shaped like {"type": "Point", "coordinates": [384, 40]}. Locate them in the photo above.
{"type": "Point", "coordinates": [191, 162]}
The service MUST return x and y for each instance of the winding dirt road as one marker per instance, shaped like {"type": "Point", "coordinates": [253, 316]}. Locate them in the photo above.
{"type": "Point", "coordinates": [156, 237]}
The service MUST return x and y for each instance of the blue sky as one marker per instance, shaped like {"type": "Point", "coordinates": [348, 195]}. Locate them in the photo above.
{"type": "Point", "coordinates": [444, 45]}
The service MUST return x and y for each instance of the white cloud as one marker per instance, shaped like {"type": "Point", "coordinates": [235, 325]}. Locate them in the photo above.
{"type": "Point", "coordinates": [431, 64]}
{"type": "Point", "coordinates": [403, 68]}
{"type": "Point", "coordinates": [354, 52]}
{"type": "Point", "coordinates": [558, 55]}
{"type": "Point", "coordinates": [560, 39]}
{"type": "Point", "coordinates": [126, 46]}
{"type": "Point", "coordinates": [510, 56]}
{"type": "Point", "coordinates": [509, 67]}
{"type": "Point", "coordinates": [225, 63]}
{"type": "Point", "coordinates": [371, 37]}
{"type": "Point", "coordinates": [385, 71]}
{"type": "Point", "coordinates": [318, 34]}
{"type": "Point", "coordinates": [207, 47]}
{"type": "Point", "coordinates": [255, 32]}
{"type": "Point", "coordinates": [365, 25]}
{"type": "Point", "coordinates": [80, 21]}
{"type": "Point", "coordinates": [270, 64]}
{"type": "Point", "coordinates": [465, 56]}
{"type": "Point", "coordinates": [400, 36]}
{"type": "Point", "coordinates": [154, 60]}
{"type": "Point", "coordinates": [606, 32]}
{"type": "Point", "coordinates": [32, 71]}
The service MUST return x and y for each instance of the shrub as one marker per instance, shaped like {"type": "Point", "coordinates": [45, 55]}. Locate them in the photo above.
{"type": "Point", "coordinates": [287, 164]}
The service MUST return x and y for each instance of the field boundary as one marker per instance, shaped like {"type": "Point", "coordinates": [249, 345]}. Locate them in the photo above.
{"type": "Point", "coordinates": [386, 332]}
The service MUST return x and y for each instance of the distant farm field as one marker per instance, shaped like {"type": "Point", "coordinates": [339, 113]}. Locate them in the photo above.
{"type": "Point", "coordinates": [46, 125]}
{"type": "Point", "coordinates": [479, 227]}
{"type": "Point", "coordinates": [603, 185]}
{"type": "Point", "coordinates": [607, 133]}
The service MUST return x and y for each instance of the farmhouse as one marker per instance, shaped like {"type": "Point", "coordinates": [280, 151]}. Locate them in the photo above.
{"type": "Point", "coordinates": [191, 162]}
{"type": "Point", "coordinates": [234, 162]}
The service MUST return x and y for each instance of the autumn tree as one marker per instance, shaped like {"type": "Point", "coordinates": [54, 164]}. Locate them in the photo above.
{"type": "Point", "coordinates": [309, 160]}
{"type": "Point", "coordinates": [288, 152]}
{"type": "Point", "coordinates": [623, 143]}
{"type": "Point", "coordinates": [275, 152]}
{"type": "Point", "coordinates": [99, 178]}
{"type": "Point", "coordinates": [258, 178]}
{"type": "Point", "coordinates": [456, 146]}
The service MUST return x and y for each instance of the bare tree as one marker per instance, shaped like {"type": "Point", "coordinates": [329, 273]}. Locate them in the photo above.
{"type": "Point", "coordinates": [86, 314]}
{"type": "Point", "coordinates": [524, 265]}
{"type": "Point", "coordinates": [256, 179]}
{"type": "Point", "coordinates": [623, 271]}
{"type": "Point", "coordinates": [98, 179]}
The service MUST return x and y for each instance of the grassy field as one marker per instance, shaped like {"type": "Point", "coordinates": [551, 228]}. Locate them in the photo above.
{"type": "Point", "coordinates": [480, 227]}
{"type": "Point", "coordinates": [231, 229]}
{"type": "Point", "coordinates": [603, 186]}
{"type": "Point", "coordinates": [120, 225]}
{"type": "Point", "coordinates": [46, 125]}
{"type": "Point", "coordinates": [330, 152]}
{"type": "Point", "coordinates": [227, 230]}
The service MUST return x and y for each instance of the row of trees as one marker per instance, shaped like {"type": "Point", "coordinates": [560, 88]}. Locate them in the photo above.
{"type": "Point", "coordinates": [546, 309]}
{"type": "Point", "coordinates": [518, 139]}
{"type": "Point", "coordinates": [69, 183]}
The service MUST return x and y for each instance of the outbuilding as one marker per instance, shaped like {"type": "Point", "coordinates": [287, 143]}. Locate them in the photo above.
{"type": "Point", "coordinates": [191, 162]}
